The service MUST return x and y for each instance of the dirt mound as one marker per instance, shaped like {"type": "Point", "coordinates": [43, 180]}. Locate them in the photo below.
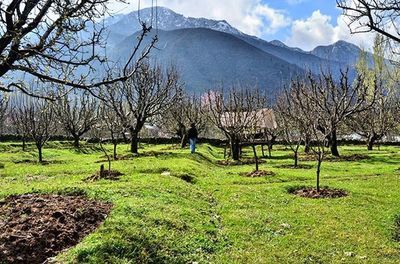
{"type": "Point", "coordinates": [113, 175]}
{"type": "Point", "coordinates": [259, 173]}
{"type": "Point", "coordinates": [298, 167]}
{"type": "Point", "coordinates": [35, 227]}
{"type": "Point", "coordinates": [45, 162]}
{"type": "Point", "coordinates": [239, 162]}
{"type": "Point", "coordinates": [354, 157]}
{"type": "Point", "coordinates": [310, 192]}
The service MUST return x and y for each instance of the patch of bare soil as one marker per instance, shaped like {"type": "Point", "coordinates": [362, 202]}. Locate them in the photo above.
{"type": "Point", "coordinates": [45, 162]}
{"type": "Point", "coordinates": [298, 167]}
{"type": "Point", "coordinates": [259, 173]}
{"type": "Point", "coordinates": [310, 192]}
{"type": "Point", "coordinates": [187, 178]}
{"type": "Point", "coordinates": [354, 157]}
{"type": "Point", "coordinates": [239, 162]}
{"type": "Point", "coordinates": [36, 227]}
{"type": "Point", "coordinates": [113, 175]}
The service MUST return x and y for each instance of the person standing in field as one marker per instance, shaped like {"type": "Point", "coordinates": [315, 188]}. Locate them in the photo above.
{"type": "Point", "coordinates": [192, 135]}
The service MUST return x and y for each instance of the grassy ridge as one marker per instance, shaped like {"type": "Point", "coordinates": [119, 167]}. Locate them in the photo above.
{"type": "Point", "coordinates": [221, 217]}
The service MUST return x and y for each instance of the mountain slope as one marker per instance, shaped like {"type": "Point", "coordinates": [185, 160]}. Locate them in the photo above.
{"type": "Point", "coordinates": [304, 60]}
{"type": "Point", "coordinates": [166, 20]}
{"type": "Point", "coordinates": [208, 59]}
{"type": "Point", "coordinates": [341, 51]}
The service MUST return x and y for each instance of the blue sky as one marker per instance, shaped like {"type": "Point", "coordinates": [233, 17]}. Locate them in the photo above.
{"type": "Point", "coordinates": [298, 23]}
{"type": "Point", "coordinates": [301, 10]}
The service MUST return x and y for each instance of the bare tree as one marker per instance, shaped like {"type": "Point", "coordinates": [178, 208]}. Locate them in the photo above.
{"type": "Point", "coordinates": [185, 111]}
{"type": "Point", "coordinates": [150, 92]}
{"type": "Point", "coordinates": [383, 116]}
{"type": "Point", "coordinates": [270, 134]}
{"type": "Point", "coordinates": [77, 113]}
{"type": "Point", "coordinates": [39, 121]}
{"type": "Point", "coordinates": [263, 121]}
{"type": "Point", "coordinates": [111, 123]}
{"type": "Point", "coordinates": [337, 101]}
{"type": "Point", "coordinates": [324, 105]}
{"type": "Point", "coordinates": [55, 40]}
{"type": "Point", "coordinates": [381, 16]}
{"type": "Point", "coordinates": [376, 122]}
{"type": "Point", "coordinates": [233, 113]}
{"type": "Point", "coordinates": [293, 125]}
{"type": "Point", "coordinates": [3, 108]}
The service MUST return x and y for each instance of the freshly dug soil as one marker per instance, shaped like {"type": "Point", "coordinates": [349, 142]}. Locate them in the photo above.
{"type": "Point", "coordinates": [259, 173]}
{"type": "Point", "coordinates": [239, 162]}
{"type": "Point", "coordinates": [45, 162]}
{"type": "Point", "coordinates": [311, 192]}
{"type": "Point", "coordinates": [113, 175]}
{"type": "Point", "coordinates": [299, 166]}
{"type": "Point", "coordinates": [35, 227]}
{"type": "Point", "coordinates": [354, 157]}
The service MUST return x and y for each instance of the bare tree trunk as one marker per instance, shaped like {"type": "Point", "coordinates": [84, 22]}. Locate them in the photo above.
{"type": "Point", "coordinates": [296, 158]}
{"type": "Point", "coordinates": [262, 150]}
{"type": "Point", "coordinates": [40, 153]}
{"type": "Point", "coordinates": [319, 170]}
{"type": "Point", "coordinates": [108, 157]}
{"type": "Point", "coordinates": [226, 146]}
{"type": "Point", "coordinates": [271, 145]}
{"type": "Point", "coordinates": [115, 143]}
{"type": "Point", "coordinates": [371, 141]}
{"type": "Point", "coordinates": [134, 142]}
{"type": "Point", "coordinates": [307, 144]}
{"type": "Point", "coordinates": [23, 143]}
{"type": "Point", "coordinates": [184, 140]}
{"type": "Point", "coordinates": [255, 156]}
{"type": "Point", "coordinates": [235, 148]}
{"type": "Point", "coordinates": [334, 144]}
{"type": "Point", "coordinates": [101, 170]}
{"type": "Point", "coordinates": [76, 142]}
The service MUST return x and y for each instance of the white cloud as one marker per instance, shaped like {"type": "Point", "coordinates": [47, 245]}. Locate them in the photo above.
{"type": "Point", "coordinates": [318, 30]}
{"type": "Point", "coordinates": [250, 16]}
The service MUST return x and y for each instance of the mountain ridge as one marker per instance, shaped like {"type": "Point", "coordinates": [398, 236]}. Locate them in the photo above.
{"type": "Point", "coordinates": [200, 72]}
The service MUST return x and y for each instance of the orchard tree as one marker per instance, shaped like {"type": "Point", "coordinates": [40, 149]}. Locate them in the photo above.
{"type": "Point", "coordinates": [323, 106]}
{"type": "Point", "coordinates": [295, 127]}
{"type": "Point", "coordinates": [338, 101]}
{"type": "Point", "coordinates": [56, 40]}
{"type": "Point", "coordinates": [19, 119]}
{"type": "Point", "coordinates": [3, 108]}
{"type": "Point", "coordinates": [234, 112]}
{"type": "Point", "coordinates": [111, 124]}
{"type": "Point", "coordinates": [77, 113]}
{"type": "Point", "coordinates": [381, 16]}
{"type": "Point", "coordinates": [383, 116]}
{"type": "Point", "coordinates": [149, 93]}
{"type": "Point", "coordinates": [184, 112]}
{"type": "Point", "coordinates": [39, 121]}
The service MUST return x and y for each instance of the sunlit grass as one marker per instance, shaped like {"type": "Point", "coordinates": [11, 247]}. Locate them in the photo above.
{"type": "Point", "coordinates": [221, 217]}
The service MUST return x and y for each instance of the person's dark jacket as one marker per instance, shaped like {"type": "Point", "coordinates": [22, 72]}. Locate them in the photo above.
{"type": "Point", "coordinates": [192, 133]}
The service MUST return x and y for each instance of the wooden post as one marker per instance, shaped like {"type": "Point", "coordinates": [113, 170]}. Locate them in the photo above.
{"type": "Point", "coordinates": [101, 170]}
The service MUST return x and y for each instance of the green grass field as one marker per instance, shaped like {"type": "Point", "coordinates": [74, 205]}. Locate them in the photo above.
{"type": "Point", "coordinates": [221, 216]}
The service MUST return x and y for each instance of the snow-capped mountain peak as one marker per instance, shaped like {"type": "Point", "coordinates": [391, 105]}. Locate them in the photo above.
{"type": "Point", "coordinates": [165, 19]}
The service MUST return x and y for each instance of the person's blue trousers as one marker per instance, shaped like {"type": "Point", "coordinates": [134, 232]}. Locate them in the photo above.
{"type": "Point", "coordinates": [192, 142]}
